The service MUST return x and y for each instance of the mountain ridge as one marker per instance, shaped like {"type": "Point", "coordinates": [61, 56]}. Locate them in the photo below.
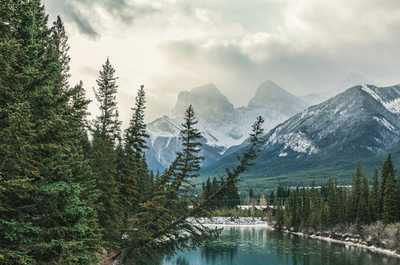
{"type": "Point", "coordinates": [221, 124]}
{"type": "Point", "coordinates": [355, 125]}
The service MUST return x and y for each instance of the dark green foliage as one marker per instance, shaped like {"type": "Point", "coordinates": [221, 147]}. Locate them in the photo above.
{"type": "Point", "coordinates": [356, 193]}
{"type": "Point", "coordinates": [104, 155]}
{"type": "Point", "coordinates": [190, 137]}
{"type": "Point", "coordinates": [375, 198]}
{"type": "Point", "coordinates": [333, 205]}
{"type": "Point", "coordinates": [363, 211]}
{"type": "Point", "coordinates": [231, 193]}
{"type": "Point", "coordinates": [60, 41]}
{"type": "Point", "coordinates": [103, 162]}
{"type": "Point", "coordinates": [44, 215]}
{"type": "Point", "coordinates": [390, 203]}
{"type": "Point", "coordinates": [387, 171]}
{"type": "Point", "coordinates": [136, 182]}
{"type": "Point", "coordinates": [107, 124]}
{"type": "Point", "coordinates": [398, 198]}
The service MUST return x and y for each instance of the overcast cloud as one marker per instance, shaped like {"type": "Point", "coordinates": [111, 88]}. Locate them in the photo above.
{"type": "Point", "coordinates": [306, 46]}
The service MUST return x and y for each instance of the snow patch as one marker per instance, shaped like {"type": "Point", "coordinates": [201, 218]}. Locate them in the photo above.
{"type": "Point", "coordinates": [283, 154]}
{"type": "Point", "coordinates": [229, 221]}
{"type": "Point", "coordinates": [297, 142]}
{"type": "Point", "coordinates": [373, 94]}
{"type": "Point", "coordinates": [392, 106]}
{"type": "Point", "coordinates": [385, 123]}
{"type": "Point", "coordinates": [349, 244]}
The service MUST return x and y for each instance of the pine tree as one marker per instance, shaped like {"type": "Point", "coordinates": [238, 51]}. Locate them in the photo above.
{"type": "Point", "coordinates": [107, 124]}
{"type": "Point", "coordinates": [387, 171]}
{"type": "Point", "coordinates": [60, 40]}
{"type": "Point", "coordinates": [136, 177]}
{"type": "Point", "coordinates": [374, 197]}
{"type": "Point", "coordinates": [398, 198]}
{"type": "Point", "coordinates": [356, 194]}
{"type": "Point", "coordinates": [315, 202]}
{"type": "Point", "coordinates": [104, 156]}
{"type": "Point", "coordinates": [232, 196]}
{"type": "Point", "coordinates": [207, 191]}
{"type": "Point", "coordinates": [363, 214]}
{"type": "Point", "coordinates": [332, 202]}
{"type": "Point", "coordinates": [189, 164]}
{"type": "Point", "coordinates": [390, 203]}
{"type": "Point", "coordinates": [279, 215]}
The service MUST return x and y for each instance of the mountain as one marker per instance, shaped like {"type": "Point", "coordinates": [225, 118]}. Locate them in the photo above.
{"type": "Point", "coordinates": [208, 102]}
{"type": "Point", "coordinates": [270, 95]}
{"type": "Point", "coordinates": [221, 124]}
{"type": "Point", "coordinates": [328, 138]}
{"type": "Point", "coordinates": [163, 144]}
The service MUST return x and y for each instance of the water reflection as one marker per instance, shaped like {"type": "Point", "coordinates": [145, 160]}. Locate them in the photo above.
{"type": "Point", "coordinates": [260, 246]}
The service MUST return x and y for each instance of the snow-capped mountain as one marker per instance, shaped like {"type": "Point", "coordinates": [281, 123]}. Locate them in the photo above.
{"type": "Point", "coordinates": [221, 124]}
{"type": "Point", "coordinates": [360, 123]}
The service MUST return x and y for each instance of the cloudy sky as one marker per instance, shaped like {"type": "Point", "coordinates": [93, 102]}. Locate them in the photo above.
{"type": "Point", "coordinates": [306, 46]}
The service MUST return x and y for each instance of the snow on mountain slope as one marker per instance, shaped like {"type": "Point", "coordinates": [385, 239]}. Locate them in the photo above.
{"type": "Point", "coordinates": [221, 125]}
{"type": "Point", "coordinates": [388, 98]}
{"type": "Point", "coordinates": [359, 123]}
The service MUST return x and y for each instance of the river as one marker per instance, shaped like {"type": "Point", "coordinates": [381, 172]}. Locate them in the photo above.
{"type": "Point", "coordinates": [262, 246]}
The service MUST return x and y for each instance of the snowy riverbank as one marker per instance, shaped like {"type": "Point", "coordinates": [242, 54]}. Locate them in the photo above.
{"type": "Point", "coordinates": [232, 221]}
{"type": "Point", "coordinates": [349, 243]}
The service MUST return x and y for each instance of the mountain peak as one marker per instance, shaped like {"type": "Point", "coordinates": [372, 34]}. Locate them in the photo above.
{"type": "Point", "coordinates": [271, 95]}
{"type": "Point", "coordinates": [208, 102]}
{"type": "Point", "coordinates": [209, 88]}
{"type": "Point", "coordinates": [269, 92]}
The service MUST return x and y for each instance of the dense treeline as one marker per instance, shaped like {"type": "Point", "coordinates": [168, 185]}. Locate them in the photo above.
{"type": "Point", "coordinates": [362, 203]}
{"type": "Point", "coordinates": [228, 197]}
{"type": "Point", "coordinates": [70, 187]}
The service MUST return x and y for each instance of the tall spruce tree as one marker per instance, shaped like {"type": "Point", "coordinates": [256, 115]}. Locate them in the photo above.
{"type": "Point", "coordinates": [333, 203]}
{"type": "Point", "coordinates": [231, 192]}
{"type": "Point", "coordinates": [375, 197]}
{"type": "Point", "coordinates": [107, 124]}
{"type": "Point", "coordinates": [136, 172]}
{"type": "Point", "coordinates": [398, 198]}
{"type": "Point", "coordinates": [356, 194]}
{"type": "Point", "coordinates": [136, 180]}
{"type": "Point", "coordinates": [60, 40]}
{"type": "Point", "coordinates": [189, 164]}
{"type": "Point", "coordinates": [363, 209]}
{"type": "Point", "coordinates": [104, 155]}
{"type": "Point", "coordinates": [387, 171]}
{"type": "Point", "coordinates": [43, 219]}
{"type": "Point", "coordinates": [390, 203]}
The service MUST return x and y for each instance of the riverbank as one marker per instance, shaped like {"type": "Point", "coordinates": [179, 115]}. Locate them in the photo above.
{"type": "Point", "coordinates": [348, 241]}
{"type": "Point", "coordinates": [231, 221]}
